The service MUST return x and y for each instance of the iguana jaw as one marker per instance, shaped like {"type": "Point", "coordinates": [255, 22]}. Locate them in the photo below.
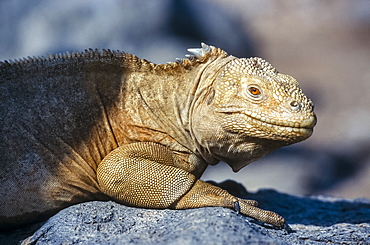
{"type": "Point", "coordinates": [302, 122]}
{"type": "Point", "coordinates": [283, 130]}
{"type": "Point", "coordinates": [244, 124]}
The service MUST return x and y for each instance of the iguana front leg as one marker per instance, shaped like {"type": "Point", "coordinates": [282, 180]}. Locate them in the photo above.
{"type": "Point", "coordinates": [143, 174]}
{"type": "Point", "coordinates": [147, 175]}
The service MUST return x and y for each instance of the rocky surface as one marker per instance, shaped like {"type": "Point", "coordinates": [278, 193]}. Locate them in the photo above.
{"type": "Point", "coordinates": [313, 220]}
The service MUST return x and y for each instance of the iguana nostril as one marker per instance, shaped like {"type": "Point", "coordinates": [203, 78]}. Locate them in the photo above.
{"type": "Point", "coordinates": [295, 105]}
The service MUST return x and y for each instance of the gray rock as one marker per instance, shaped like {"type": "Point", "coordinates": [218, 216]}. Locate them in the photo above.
{"type": "Point", "coordinates": [111, 223]}
{"type": "Point", "coordinates": [313, 220]}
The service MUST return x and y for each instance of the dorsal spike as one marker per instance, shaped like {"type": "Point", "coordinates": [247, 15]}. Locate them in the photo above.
{"type": "Point", "coordinates": [204, 52]}
{"type": "Point", "coordinates": [197, 52]}
{"type": "Point", "coordinates": [200, 52]}
{"type": "Point", "coordinates": [190, 56]}
{"type": "Point", "coordinates": [206, 48]}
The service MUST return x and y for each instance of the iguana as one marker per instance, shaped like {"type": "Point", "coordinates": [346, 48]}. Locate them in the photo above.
{"type": "Point", "coordinates": [104, 124]}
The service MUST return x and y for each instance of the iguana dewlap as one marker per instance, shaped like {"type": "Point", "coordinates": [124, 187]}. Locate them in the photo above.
{"type": "Point", "coordinates": [105, 125]}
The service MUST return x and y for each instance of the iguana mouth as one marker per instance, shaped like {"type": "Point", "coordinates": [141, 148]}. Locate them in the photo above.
{"type": "Point", "coordinates": [301, 123]}
{"type": "Point", "coordinates": [262, 127]}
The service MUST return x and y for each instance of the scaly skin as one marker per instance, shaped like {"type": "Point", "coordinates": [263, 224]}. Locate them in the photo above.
{"type": "Point", "coordinates": [108, 125]}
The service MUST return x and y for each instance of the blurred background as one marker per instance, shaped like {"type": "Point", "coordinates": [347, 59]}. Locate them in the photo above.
{"type": "Point", "coordinates": [325, 45]}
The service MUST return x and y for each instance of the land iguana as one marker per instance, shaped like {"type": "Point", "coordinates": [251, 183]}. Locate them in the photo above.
{"type": "Point", "coordinates": [104, 124]}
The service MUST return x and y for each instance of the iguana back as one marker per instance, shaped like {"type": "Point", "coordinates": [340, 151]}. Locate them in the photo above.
{"type": "Point", "coordinates": [55, 130]}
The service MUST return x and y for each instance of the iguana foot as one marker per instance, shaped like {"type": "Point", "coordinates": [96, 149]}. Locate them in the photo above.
{"type": "Point", "coordinates": [259, 214]}
{"type": "Point", "coordinates": [203, 194]}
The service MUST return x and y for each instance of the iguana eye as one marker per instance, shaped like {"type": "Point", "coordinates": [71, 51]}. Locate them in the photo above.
{"type": "Point", "coordinates": [251, 89]}
{"type": "Point", "coordinates": [254, 92]}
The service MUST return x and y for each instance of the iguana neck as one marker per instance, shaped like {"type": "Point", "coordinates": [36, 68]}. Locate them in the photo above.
{"type": "Point", "coordinates": [164, 96]}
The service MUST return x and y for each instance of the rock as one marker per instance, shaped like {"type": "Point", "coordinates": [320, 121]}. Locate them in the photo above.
{"type": "Point", "coordinates": [313, 220]}
{"type": "Point", "coordinates": [111, 223]}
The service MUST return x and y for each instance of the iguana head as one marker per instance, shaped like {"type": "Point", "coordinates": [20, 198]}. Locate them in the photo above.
{"type": "Point", "coordinates": [249, 110]}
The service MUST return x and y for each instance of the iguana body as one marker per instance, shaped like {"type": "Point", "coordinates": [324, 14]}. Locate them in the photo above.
{"type": "Point", "coordinates": [100, 125]}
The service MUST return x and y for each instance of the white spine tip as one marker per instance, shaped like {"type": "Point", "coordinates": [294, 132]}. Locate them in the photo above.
{"type": "Point", "coordinates": [206, 48]}
{"type": "Point", "coordinates": [197, 52]}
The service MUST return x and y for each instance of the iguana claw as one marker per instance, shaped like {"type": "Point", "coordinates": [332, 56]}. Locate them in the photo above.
{"type": "Point", "coordinates": [237, 207]}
